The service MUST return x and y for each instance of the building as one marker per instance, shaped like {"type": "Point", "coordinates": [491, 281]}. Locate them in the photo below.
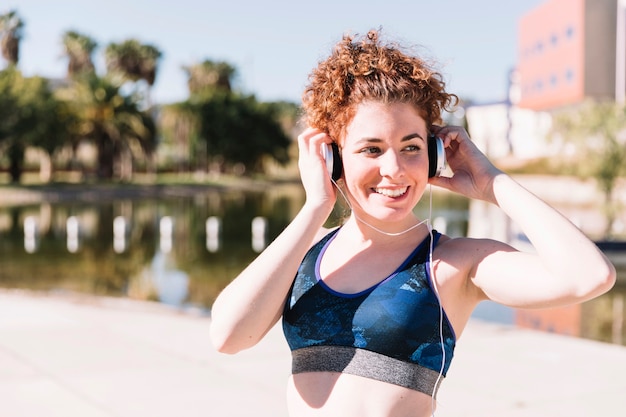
{"type": "Point", "coordinates": [567, 53]}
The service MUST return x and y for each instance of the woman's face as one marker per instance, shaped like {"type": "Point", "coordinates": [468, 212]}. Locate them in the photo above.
{"type": "Point", "coordinates": [385, 161]}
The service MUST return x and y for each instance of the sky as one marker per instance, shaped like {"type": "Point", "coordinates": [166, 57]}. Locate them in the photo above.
{"type": "Point", "coordinates": [274, 44]}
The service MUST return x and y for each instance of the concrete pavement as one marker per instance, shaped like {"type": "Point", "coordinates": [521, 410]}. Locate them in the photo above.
{"type": "Point", "coordinates": [101, 357]}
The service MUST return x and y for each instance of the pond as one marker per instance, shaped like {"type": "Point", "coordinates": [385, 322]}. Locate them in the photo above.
{"type": "Point", "coordinates": [183, 248]}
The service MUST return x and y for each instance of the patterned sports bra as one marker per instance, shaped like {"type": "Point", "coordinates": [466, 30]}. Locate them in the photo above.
{"type": "Point", "coordinates": [390, 332]}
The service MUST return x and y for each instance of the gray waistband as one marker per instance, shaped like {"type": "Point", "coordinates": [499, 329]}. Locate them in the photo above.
{"type": "Point", "coordinates": [367, 364]}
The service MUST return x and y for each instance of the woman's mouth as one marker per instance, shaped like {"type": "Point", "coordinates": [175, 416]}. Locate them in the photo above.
{"type": "Point", "coordinates": [391, 192]}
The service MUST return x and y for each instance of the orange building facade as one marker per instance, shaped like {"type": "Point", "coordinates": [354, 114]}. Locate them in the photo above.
{"type": "Point", "coordinates": [566, 53]}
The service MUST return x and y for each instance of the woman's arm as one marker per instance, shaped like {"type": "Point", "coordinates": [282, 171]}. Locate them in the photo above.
{"type": "Point", "coordinates": [252, 303]}
{"type": "Point", "coordinates": [566, 267]}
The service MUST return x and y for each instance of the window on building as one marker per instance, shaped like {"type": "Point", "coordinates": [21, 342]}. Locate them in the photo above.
{"type": "Point", "coordinates": [554, 39]}
{"type": "Point", "coordinates": [539, 47]}
{"type": "Point", "coordinates": [569, 32]}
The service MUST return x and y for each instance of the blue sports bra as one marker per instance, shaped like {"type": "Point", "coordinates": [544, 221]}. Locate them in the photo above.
{"type": "Point", "coordinates": [389, 332]}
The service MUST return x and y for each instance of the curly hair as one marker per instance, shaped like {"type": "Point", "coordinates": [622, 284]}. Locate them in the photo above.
{"type": "Point", "coordinates": [368, 69]}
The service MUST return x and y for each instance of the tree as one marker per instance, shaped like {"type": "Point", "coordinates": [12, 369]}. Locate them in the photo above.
{"type": "Point", "coordinates": [79, 49]}
{"type": "Point", "coordinates": [29, 116]}
{"type": "Point", "coordinates": [8, 103]}
{"type": "Point", "coordinates": [225, 129]}
{"type": "Point", "coordinates": [133, 61]}
{"type": "Point", "coordinates": [180, 122]}
{"type": "Point", "coordinates": [240, 130]}
{"type": "Point", "coordinates": [599, 131]}
{"type": "Point", "coordinates": [209, 76]}
{"type": "Point", "coordinates": [11, 26]}
{"type": "Point", "coordinates": [112, 121]}
{"type": "Point", "coordinates": [178, 127]}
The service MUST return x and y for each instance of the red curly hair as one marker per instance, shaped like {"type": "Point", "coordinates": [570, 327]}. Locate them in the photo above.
{"type": "Point", "coordinates": [368, 69]}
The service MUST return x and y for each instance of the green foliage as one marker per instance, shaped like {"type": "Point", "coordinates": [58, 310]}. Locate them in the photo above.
{"type": "Point", "coordinates": [78, 49]}
{"type": "Point", "coordinates": [208, 76]}
{"type": "Point", "coordinates": [133, 60]}
{"type": "Point", "coordinates": [178, 128]}
{"type": "Point", "coordinates": [225, 127]}
{"type": "Point", "coordinates": [11, 26]}
{"type": "Point", "coordinates": [598, 129]}
{"type": "Point", "coordinates": [29, 116]}
{"type": "Point", "coordinates": [288, 114]}
{"type": "Point", "coordinates": [111, 120]}
{"type": "Point", "coordinates": [240, 129]}
{"type": "Point", "coordinates": [8, 103]}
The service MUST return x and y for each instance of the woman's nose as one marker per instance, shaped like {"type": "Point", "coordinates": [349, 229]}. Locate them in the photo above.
{"type": "Point", "coordinates": [391, 164]}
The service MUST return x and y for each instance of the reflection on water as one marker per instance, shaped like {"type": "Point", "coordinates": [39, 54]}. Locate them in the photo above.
{"type": "Point", "coordinates": [183, 250]}
{"type": "Point", "coordinates": [180, 251]}
{"type": "Point", "coordinates": [171, 285]}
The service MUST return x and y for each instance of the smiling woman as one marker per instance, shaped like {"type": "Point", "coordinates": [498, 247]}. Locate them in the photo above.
{"type": "Point", "coordinates": [372, 310]}
{"type": "Point", "coordinates": [385, 163]}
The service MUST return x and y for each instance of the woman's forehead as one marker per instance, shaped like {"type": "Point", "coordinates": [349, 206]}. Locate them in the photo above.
{"type": "Point", "coordinates": [381, 119]}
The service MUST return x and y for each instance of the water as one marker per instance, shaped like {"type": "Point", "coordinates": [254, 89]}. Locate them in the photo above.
{"type": "Point", "coordinates": [160, 245]}
{"type": "Point", "coordinates": [183, 249]}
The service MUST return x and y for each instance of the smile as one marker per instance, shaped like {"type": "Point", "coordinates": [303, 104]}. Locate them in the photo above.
{"type": "Point", "coordinates": [387, 192]}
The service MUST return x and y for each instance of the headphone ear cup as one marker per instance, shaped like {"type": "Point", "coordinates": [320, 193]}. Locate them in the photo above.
{"type": "Point", "coordinates": [432, 156]}
{"type": "Point", "coordinates": [337, 163]}
{"type": "Point", "coordinates": [436, 156]}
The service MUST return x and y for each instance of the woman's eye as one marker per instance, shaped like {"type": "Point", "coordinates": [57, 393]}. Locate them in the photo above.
{"type": "Point", "coordinates": [371, 150]}
{"type": "Point", "coordinates": [412, 148]}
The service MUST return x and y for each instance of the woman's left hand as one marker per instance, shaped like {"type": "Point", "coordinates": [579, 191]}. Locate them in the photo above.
{"type": "Point", "coordinates": [473, 173]}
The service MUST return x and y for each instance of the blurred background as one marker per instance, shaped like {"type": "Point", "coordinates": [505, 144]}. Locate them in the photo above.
{"type": "Point", "coordinates": [147, 151]}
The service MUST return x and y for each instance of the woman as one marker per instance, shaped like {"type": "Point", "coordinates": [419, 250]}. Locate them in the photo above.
{"type": "Point", "coordinates": [376, 306]}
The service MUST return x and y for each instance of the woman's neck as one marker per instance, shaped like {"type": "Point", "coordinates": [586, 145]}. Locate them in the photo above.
{"type": "Point", "coordinates": [391, 231]}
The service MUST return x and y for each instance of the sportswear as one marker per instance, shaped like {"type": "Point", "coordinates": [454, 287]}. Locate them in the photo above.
{"type": "Point", "coordinates": [389, 332]}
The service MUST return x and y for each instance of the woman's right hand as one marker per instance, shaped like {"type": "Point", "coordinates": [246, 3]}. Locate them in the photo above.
{"type": "Point", "coordinates": [318, 186]}
{"type": "Point", "coordinates": [252, 303]}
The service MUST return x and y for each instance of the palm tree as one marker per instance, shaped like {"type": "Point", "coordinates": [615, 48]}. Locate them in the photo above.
{"type": "Point", "coordinates": [78, 49]}
{"type": "Point", "coordinates": [178, 128]}
{"type": "Point", "coordinates": [119, 130]}
{"type": "Point", "coordinates": [11, 31]}
{"type": "Point", "coordinates": [133, 61]}
{"type": "Point", "coordinates": [209, 76]}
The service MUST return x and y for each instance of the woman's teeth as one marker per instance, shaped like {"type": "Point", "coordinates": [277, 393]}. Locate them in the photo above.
{"type": "Point", "coordinates": [396, 192]}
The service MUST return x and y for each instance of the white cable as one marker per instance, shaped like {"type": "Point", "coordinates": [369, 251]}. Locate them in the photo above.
{"type": "Point", "coordinates": [432, 276]}
{"type": "Point", "coordinates": [436, 290]}
{"type": "Point", "coordinates": [375, 228]}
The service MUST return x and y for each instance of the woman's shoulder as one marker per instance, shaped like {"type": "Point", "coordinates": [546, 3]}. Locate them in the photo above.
{"type": "Point", "coordinates": [322, 233]}
{"type": "Point", "coordinates": [463, 242]}
{"type": "Point", "coordinates": [465, 247]}
{"type": "Point", "coordinates": [464, 254]}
